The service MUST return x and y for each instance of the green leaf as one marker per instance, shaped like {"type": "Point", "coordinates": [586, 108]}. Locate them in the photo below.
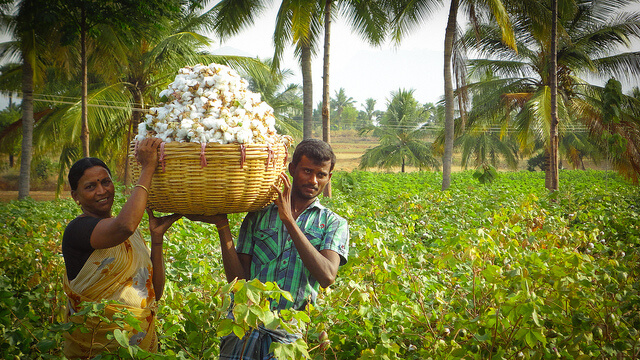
{"type": "Point", "coordinates": [121, 337]}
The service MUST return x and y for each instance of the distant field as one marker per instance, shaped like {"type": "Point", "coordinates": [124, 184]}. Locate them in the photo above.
{"type": "Point", "coordinates": [349, 147]}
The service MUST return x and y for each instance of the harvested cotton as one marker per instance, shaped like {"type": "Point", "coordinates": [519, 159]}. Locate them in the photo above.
{"type": "Point", "coordinates": [211, 104]}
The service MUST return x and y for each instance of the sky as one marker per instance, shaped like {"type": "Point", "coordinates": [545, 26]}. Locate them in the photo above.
{"type": "Point", "coordinates": [362, 70]}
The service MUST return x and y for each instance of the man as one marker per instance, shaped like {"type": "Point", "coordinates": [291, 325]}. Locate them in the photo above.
{"type": "Point", "coordinates": [295, 242]}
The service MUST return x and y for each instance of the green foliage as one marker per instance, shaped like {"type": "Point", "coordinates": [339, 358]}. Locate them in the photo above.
{"type": "Point", "coordinates": [485, 174]}
{"type": "Point", "coordinates": [493, 271]}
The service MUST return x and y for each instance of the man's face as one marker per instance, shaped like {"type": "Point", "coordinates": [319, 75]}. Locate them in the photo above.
{"type": "Point", "coordinates": [309, 177]}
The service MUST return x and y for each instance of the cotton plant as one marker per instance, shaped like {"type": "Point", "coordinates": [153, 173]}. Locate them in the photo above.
{"type": "Point", "coordinates": [211, 104]}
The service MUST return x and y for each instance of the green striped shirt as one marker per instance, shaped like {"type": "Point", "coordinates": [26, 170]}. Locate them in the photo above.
{"type": "Point", "coordinates": [274, 256]}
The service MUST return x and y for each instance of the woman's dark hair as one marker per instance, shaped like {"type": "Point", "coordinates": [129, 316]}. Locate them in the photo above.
{"type": "Point", "coordinates": [316, 150]}
{"type": "Point", "coordinates": [80, 166]}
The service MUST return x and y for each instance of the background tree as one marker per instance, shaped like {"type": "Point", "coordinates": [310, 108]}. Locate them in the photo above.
{"type": "Point", "coordinates": [402, 136]}
{"type": "Point", "coordinates": [297, 23]}
{"type": "Point", "coordinates": [80, 19]}
{"type": "Point", "coordinates": [406, 14]}
{"type": "Point", "coordinates": [339, 102]}
{"type": "Point", "coordinates": [286, 100]}
{"type": "Point", "coordinates": [592, 35]}
{"type": "Point", "coordinates": [31, 23]}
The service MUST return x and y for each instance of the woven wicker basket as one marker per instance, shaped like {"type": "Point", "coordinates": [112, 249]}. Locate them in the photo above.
{"type": "Point", "coordinates": [215, 179]}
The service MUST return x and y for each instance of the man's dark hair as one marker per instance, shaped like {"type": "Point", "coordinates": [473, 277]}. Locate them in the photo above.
{"type": "Point", "coordinates": [316, 150]}
{"type": "Point", "coordinates": [80, 166]}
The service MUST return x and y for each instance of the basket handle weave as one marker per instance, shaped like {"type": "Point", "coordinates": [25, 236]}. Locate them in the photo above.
{"type": "Point", "coordinates": [203, 159]}
{"type": "Point", "coordinates": [161, 159]}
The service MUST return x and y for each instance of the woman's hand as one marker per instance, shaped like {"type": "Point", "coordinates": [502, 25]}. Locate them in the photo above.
{"type": "Point", "coordinates": [147, 154]}
{"type": "Point", "coordinates": [159, 225]}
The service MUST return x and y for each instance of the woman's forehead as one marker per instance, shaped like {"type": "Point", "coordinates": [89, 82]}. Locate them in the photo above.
{"type": "Point", "coordinates": [95, 173]}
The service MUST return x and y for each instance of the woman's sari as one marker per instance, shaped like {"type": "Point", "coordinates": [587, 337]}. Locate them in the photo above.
{"type": "Point", "coordinates": [122, 274]}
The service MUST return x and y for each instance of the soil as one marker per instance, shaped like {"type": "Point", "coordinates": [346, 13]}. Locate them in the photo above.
{"type": "Point", "coordinates": [6, 196]}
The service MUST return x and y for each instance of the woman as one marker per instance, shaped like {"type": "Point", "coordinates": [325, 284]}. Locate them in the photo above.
{"type": "Point", "coordinates": [106, 257]}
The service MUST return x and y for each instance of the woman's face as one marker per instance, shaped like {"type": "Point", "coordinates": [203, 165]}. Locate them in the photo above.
{"type": "Point", "coordinates": [95, 192]}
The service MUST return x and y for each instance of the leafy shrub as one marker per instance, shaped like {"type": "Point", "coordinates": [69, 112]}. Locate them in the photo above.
{"type": "Point", "coordinates": [480, 271]}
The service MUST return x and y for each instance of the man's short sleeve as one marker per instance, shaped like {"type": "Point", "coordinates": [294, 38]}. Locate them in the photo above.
{"type": "Point", "coordinates": [245, 236]}
{"type": "Point", "coordinates": [336, 237]}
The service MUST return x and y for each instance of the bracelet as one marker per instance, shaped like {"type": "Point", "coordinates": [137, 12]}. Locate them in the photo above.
{"type": "Point", "coordinates": [143, 187]}
{"type": "Point", "coordinates": [222, 227]}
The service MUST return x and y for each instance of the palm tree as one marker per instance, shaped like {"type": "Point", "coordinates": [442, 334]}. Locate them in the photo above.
{"type": "Point", "coordinates": [122, 89]}
{"type": "Point", "coordinates": [80, 17]}
{"type": "Point", "coordinates": [592, 34]}
{"type": "Point", "coordinates": [409, 13]}
{"type": "Point", "coordinates": [402, 136]}
{"type": "Point", "coordinates": [286, 100]}
{"type": "Point", "coordinates": [29, 26]}
{"type": "Point", "coordinates": [339, 103]}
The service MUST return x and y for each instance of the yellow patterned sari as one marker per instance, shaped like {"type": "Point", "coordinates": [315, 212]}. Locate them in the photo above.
{"type": "Point", "coordinates": [123, 274]}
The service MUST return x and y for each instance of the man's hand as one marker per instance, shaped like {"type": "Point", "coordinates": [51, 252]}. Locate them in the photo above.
{"type": "Point", "coordinates": [284, 198]}
{"type": "Point", "coordinates": [158, 226]}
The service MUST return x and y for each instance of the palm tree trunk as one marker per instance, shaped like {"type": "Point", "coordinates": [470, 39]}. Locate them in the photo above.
{"type": "Point", "coordinates": [307, 92]}
{"type": "Point", "coordinates": [448, 95]}
{"type": "Point", "coordinates": [27, 127]}
{"type": "Point", "coordinates": [403, 164]}
{"type": "Point", "coordinates": [326, 119]}
{"type": "Point", "coordinates": [136, 117]}
{"type": "Point", "coordinates": [553, 154]}
{"type": "Point", "coordinates": [84, 135]}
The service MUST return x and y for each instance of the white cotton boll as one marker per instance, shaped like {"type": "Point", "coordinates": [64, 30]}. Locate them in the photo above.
{"type": "Point", "coordinates": [200, 91]}
{"type": "Point", "coordinates": [221, 125]}
{"type": "Point", "coordinates": [161, 127]}
{"type": "Point", "coordinates": [232, 121]}
{"type": "Point", "coordinates": [270, 121]}
{"type": "Point", "coordinates": [162, 113]}
{"type": "Point", "coordinates": [165, 92]}
{"type": "Point", "coordinates": [208, 81]}
{"type": "Point", "coordinates": [142, 127]}
{"type": "Point", "coordinates": [225, 113]}
{"type": "Point", "coordinates": [181, 134]}
{"type": "Point", "coordinates": [228, 95]}
{"type": "Point", "coordinates": [186, 96]}
{"type": "Point", "coordinates": [244, 136]}
{"type": "Point", "coordinates": [216, 103]}
{"type": "Point", "coordinates": [209, 122]}
{"type": "Point", "coordinates": [217, 137]}
{"type": "Point", "coordinates": [239, 112]}
{"type": "Point", "coordinates": [186, 124]}
{"type": "Point", "coordinates": [228, 137]}
{"type": "Point", "coordinates": [140, 137]}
